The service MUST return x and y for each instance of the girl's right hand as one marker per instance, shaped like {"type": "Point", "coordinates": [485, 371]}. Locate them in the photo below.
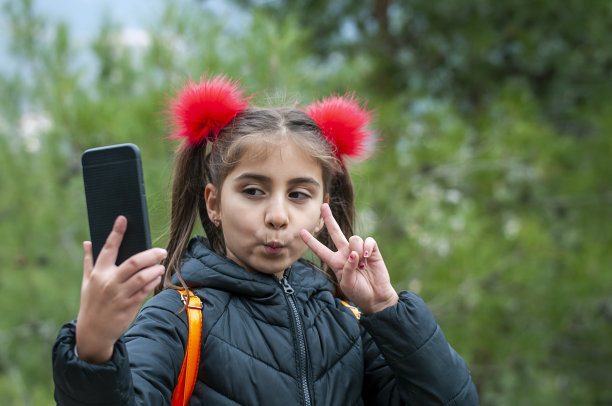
{"type": "Point", "coordinates": [111, 295]}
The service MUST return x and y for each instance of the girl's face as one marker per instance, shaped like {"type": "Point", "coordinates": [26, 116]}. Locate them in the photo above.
{"type": "Point", "coordinates": [263, 205]}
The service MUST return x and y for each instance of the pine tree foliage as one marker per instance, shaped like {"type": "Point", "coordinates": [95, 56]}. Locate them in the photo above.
{"type": "Point", "coordinates": [489, 192]}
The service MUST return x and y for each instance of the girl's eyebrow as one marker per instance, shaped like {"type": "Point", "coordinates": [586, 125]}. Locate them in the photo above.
{"type": "Point", "coordinates": [252, 176]}
{"type": "Point", "coordinates": [305, 180]}
{"type": "Point", "coordinates": [266, 179]}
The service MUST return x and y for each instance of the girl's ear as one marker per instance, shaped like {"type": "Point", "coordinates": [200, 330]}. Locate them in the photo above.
{"type": "Point", "coordinates": [212, 206]}
{"type": "Point", "coordinates": [321, 222]}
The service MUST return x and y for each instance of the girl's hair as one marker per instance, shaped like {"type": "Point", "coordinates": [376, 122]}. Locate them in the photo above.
{"type": "Point", "coordinates": [254, 131]}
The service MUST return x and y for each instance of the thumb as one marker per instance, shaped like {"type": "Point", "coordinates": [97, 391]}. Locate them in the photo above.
{"type": "Point", "coordinates": [87, 262]}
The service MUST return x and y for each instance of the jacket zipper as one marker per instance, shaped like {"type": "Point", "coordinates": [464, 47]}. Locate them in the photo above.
{"type": "Point", "coordinates": [301, 341]}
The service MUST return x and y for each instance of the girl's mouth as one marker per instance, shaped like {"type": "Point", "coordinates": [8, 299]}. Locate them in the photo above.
{"type": "Point", "coordinates": [273, 247]}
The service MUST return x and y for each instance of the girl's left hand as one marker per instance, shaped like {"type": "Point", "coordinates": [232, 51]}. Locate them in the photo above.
{"type": "Point", "coordinates": [358, 265]}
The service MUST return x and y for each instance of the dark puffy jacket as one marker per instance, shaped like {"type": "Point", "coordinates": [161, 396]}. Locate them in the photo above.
{"type": "Point", "coordinates": [270, 342]}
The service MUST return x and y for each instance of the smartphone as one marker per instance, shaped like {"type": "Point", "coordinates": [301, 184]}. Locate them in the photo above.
{"type": "Point", "coordinates": [114, 185]}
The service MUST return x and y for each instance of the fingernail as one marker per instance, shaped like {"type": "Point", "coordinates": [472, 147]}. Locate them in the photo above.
{"type": "Point", "coordinates": [163, 252]}
{"type": "Point", "coordinates": [361, 265]}
{"type": "Point", "coordinates": [366, 254]}
{"type": "Point", "coordinates": [352, 257]}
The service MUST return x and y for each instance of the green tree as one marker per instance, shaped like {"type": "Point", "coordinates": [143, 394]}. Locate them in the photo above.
{"type": "Point", "coordinates": [492, 186]}
{"type": "Point", "coordinates": [489, 192]}
{"type": "Point", "coordinates": [63, 100]}
{"type": "Point", "coordinates": [466, 48]}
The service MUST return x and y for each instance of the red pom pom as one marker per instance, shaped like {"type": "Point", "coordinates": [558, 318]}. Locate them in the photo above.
{"type": "Point", "coordinates": [202, 109]}
{"type": "Point", "coordinates": [345, 124]}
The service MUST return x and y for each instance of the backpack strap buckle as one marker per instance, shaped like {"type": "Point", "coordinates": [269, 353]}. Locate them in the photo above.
{"type": "Point", "coordinates": [194, 301]}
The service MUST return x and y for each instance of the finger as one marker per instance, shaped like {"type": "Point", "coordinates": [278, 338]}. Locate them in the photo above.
{"type": "Point", "coordinates": [139, 261]}
{"type": "Point", "coordinates": [141, 295]}
{"type": "Point", "coordinates": [87, 262]}
{"type": "Point", "coordinates": [348, 273]}
{"type": "Point", "coordinates": [144, 292]}
{"type": "Point", "coordinates": [356, 245]}
{"type": "Point", "coordinates": [325, 254]}
{"type": "Point", "coordinates": [370, 247]}
{"type": "Point", "coordinates": [108, 254]}
{"type": "Point", "coordinates": [87, 258]}
{"type": "Point", "coordinates": [143, 279]}
{"type": "Point", "coordinates": [333, 228]}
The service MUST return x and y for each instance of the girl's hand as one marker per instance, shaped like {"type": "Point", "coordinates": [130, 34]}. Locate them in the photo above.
{"type": "Point", "coordinates": [111, 295]}
{"type": "Point", "coordinates": [358, 265]}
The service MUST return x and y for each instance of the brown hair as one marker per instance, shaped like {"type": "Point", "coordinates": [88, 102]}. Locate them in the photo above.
{"type": "Point", "coordinates": [253, 130]}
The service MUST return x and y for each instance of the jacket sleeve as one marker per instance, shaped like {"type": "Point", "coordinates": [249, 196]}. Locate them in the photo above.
{"type": "Point", "coordinates": [408, 360]}
{"type": "Point", "coordinates": [144, 366]}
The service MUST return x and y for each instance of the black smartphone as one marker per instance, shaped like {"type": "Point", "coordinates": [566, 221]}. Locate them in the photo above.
{"type": "Point", "coordinates": [114, 185]}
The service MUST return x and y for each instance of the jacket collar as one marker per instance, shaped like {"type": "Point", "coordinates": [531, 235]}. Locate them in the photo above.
{"type": "Point", "coordinates": [204, 268]}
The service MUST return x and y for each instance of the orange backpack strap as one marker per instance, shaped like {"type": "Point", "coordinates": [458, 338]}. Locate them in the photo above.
{"type": "Point", "coordinates": [352, 308]}
{"type": "Point", "coordinates": [191, 362]}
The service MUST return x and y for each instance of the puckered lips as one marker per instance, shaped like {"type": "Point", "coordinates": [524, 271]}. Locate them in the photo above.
{"type": "Point", "coordinates": [273, 247]}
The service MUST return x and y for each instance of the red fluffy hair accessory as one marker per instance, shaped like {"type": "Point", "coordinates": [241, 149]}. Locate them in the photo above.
{"type": "Point", "coordinates": [201, 110]}
{"type": "Point", "coordinates": [345, 125]}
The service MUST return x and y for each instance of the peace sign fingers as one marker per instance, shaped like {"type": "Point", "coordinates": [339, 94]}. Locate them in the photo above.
{"type": "Point", "coordinates": [319, 249]}
{"type": "Point", "coordinates": [335, 260]}
{"type": "Point", "coordinates": [333, 228]}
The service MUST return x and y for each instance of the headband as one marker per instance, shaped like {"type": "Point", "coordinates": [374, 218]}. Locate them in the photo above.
{"type": "Point", "coordinates": [201, 110]}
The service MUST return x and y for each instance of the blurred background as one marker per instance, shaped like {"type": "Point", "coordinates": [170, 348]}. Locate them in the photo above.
{"type": "Point", "coordinates": [490, 193]}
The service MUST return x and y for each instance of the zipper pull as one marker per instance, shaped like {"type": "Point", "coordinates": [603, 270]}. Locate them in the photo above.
{"type": "Point", "coordinates": [286, 287]}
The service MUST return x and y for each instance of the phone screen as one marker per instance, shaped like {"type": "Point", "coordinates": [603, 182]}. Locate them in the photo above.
{"type": "Point", "coordinates": [114, 185]}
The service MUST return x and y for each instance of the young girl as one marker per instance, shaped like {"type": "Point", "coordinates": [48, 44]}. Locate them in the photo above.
{"type": "Point", "coordinates": [266, 183]}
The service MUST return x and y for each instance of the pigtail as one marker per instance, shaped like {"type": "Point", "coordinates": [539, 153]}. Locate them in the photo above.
{"type": "Point", "coordinates": [342, 205]}
{"type": "Point", "coordinates": [197, 115]}
{"type": "Point", "coordinates": [187, 200]}
{"type": "Point", "coordinates": [342, 201]}
{"type": "Point", "coordinates": [345, 123]}
{"type": "Point", "coordinates": [213, 231]}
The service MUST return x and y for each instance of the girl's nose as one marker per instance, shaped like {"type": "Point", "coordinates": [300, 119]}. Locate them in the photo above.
{"type": "Point", "coordinates": [276, 214]}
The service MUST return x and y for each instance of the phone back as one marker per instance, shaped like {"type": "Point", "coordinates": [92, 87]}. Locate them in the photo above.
{"type": "Point", "coordinates": [114, 186]}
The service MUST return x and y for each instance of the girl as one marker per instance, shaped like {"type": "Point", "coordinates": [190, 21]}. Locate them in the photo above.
{"type": "Point", "coordinates": [266, 183]}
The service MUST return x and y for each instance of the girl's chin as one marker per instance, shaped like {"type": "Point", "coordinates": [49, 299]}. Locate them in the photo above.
{"type": "Point", "coordinates": [278, 271]}
{"type": "Point", "coordinates": [268, 270]}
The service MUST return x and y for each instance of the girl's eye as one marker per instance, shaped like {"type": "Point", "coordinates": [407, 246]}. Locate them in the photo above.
{"type": "Point", "coordinates": [252, 191]}
{"type": "Point", "coordinates": [299, 195]}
